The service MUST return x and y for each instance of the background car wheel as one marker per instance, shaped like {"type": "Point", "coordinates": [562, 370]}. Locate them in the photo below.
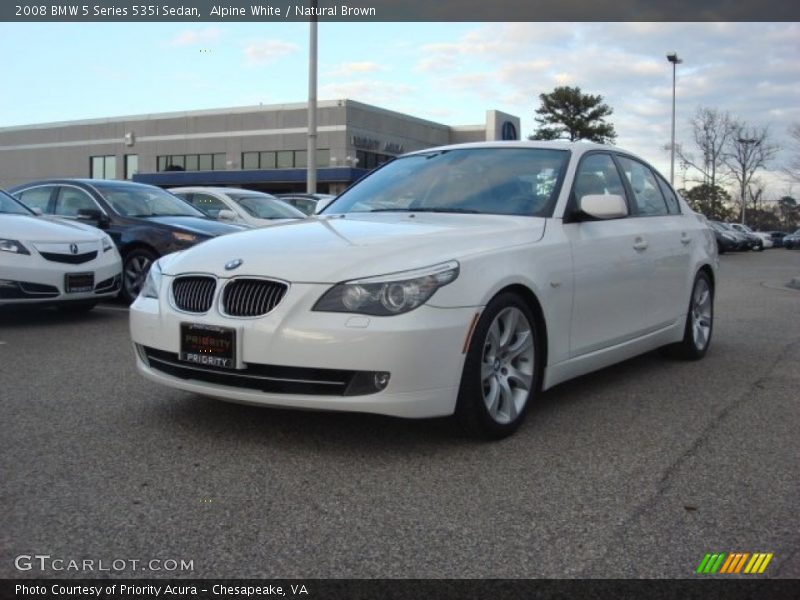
{"type": "Point", "coordinates": [501, 371]}
{"type": "Point", "coordinates": [78, 307]}
{"type": "Point", "coordinates": [699, 321]}
{"type": "Point", "coordinates": [134, 271]}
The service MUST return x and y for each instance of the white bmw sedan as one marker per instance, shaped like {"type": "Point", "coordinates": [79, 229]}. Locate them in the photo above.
{"type": "Point", "coordinates": [52, 261]}
{"type": "Point", "coordinates": [457, 280]}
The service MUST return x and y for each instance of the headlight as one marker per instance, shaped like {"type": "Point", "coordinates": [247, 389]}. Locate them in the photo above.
{"type": "Point", "coordinates": [12, 246]}
{"type": "Point", "coordinates": [184, 237]}
{"type": "Point", "coordinates": [391, 294]}
{"type": "Point", "coordinates": [107, 244]}
{"type": "Point", "coordinates": [152, 285]}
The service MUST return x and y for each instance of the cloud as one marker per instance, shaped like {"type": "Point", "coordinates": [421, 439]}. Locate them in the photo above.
{"type": "Point", "coordinates": [193, 37]}
{"type": "Point", "coordinates": [267, 51]}
{"type": "Point", "coordinates": [355, 68]}
{"type": "Point", "coordinates": [369, 91]}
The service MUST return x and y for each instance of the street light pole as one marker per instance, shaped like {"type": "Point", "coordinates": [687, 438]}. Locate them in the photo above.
{"type": "Point", "coordinates": [745, 154]}
{"type": "Point", "coordinates": [311, 152]}
{"type": "Point", "coordinates": [673, 58]}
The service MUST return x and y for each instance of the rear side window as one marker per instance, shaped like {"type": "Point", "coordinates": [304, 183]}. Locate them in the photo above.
{"type": "Point", "coordinates": [673, 206]}
{"type": "Point", "coordinates": [649, 200]}
{"type": "Point", "coordinates": [38, 197]}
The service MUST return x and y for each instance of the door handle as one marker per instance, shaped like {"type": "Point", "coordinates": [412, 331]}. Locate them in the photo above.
{"type": "Point", "coordinates": [685, 238]}
{"type": "Point", "coordinates": [639, 244]}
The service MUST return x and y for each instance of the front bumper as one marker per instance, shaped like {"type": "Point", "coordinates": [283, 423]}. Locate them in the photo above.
{"type": "Point", "coordinates": [31, 279]}
{"type": "Point", "coordinates": [421, 350]}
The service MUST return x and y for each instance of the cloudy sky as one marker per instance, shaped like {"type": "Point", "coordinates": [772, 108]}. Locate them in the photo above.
{"type": "Point", "coordinates": [447, 72]}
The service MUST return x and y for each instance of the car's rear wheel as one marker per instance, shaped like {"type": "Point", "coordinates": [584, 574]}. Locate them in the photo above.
{"type": "Point", "coordinates": [501, 369]}
{"type": "Point", "coordinates": [699, 321]}
{"type": "Point", "coordinates": [135, 267]}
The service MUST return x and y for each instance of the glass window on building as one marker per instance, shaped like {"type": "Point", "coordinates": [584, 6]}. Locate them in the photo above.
{"type": "Point", "coordinates": [267, 160]}
{"type": "Point", "coordinates": [192, 162]}
{"type": "Point", "coordinates": [161, 163]}
{"type": "Point", "coordinates": [323, 157]}
{"type": "Point", "coordinates": [285, 159]}
{"type": "Point", "coordinates": [250, 160]}
{"type": "Point", "coordinates": [103, 167]}
{"type": "Point", "coordinates": [206, 162]}
{"type": "Point", "coordinates": [131, 165]}
{"type": "Point", "coordinates": [300, 158]}
{"type": "Point", "coordinates": [177, 161]}
{"type": "Point", "coordinates": [220, 160]}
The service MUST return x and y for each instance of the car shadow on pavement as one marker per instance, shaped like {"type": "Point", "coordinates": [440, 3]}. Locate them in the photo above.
{"type": "Point", "coordinates": [210, 417]}
{"type": "Point", "coordinates": [22, 317]}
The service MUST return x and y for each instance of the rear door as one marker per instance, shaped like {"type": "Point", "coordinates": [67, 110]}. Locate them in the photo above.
{"type": "Point", "coordinates": [669, 242]}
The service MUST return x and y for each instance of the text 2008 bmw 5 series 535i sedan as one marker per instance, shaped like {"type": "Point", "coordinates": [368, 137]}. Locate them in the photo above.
{"type": "Point", "coordinates": [456, 280]}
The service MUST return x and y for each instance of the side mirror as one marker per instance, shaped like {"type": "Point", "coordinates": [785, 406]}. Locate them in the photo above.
{"type": "Point", "coordinates": [604, 206]}
{"type": "Point", "coordinates": [226, 215]}
{"type": "Point", "coordinates": [37, 211]}
{"type": "Point", "coordinates": [93, 215]}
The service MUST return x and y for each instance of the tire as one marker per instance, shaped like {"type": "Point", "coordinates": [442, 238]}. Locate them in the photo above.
{"type": "Point", "coordinates": [135, 267]}
{"type": "Point", "coordinates": [77, 307]}
{"type": "Point", "coordinates": [501, 370]}
{"type": "Point", "coordinates": [699, 322]}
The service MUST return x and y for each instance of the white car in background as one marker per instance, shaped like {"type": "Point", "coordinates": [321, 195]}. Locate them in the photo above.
{"type": "Point", "coordinates": [235, 205]}
{"type": "Point", "coordinates": [766, 239]}
{"type": "Point", "coordinates": [52, 261]}
{"type": "Point", "coordinates": [456, 280]}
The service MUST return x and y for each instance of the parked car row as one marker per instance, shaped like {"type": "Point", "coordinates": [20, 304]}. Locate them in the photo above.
{"type": "Point", "coordinates": [143, 223]}
{"type": "Point", "coordinates": [736, 236]}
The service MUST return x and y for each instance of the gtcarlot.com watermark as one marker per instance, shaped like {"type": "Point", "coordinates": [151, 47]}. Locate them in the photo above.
{"type": "Point", "coordinates": [46, 562]}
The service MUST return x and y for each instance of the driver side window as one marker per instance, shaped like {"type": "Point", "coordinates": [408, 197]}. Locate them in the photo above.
{"type": "Point", "coordinates": [597, 174]}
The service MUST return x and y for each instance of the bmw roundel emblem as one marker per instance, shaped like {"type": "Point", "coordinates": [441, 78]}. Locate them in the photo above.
{"type": "Point", "coordinates": [233, 264]}
{"type": "Point", "coordinates": [73, 248]}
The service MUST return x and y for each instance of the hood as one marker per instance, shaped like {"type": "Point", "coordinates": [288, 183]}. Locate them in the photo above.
{"type": "Point", "coordinates": [199, 225]}
{"type": "Point", "coordinates": [46, 229]}
{"type": "Point", "coordinates": [338, 248]}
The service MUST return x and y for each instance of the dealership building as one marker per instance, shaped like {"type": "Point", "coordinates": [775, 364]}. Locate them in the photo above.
{"type": "Point", "coordinates": [258, 147]}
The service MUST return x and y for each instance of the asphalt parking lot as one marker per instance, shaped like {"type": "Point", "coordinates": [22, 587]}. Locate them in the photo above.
{"type": "Point", "coordinates": [635, 471]}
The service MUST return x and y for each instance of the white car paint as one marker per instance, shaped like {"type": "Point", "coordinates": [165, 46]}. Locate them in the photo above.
{"type": "Point", "coordinates": [42, 244]}
{"type": "Point", "coordinates": [608, 290]}
{"type": "Point", "coordinates": [227, 196]}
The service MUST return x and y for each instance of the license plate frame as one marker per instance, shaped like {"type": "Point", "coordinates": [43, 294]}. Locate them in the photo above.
{"type": "Point", "coordinates": [208, 345]}
{"type": "Point", "coordinates": [77, 283]}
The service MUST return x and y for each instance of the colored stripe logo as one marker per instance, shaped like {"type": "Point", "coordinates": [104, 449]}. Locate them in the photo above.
{"type": "Point", "coordinates": [734, 563]}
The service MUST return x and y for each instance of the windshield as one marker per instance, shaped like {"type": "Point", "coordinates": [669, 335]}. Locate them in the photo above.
{"type": "Point", "coordinates": [145, 201]}
{"type": "Point", "coordinates": [9, 206]}
{"type": "Point", "coordinates": [262, 206]}
{"type": "Point", "coordinates": [506, 181]}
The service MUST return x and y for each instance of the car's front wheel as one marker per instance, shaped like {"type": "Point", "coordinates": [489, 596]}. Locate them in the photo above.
{"type": "Point", "coordinates": [135, 267]}
{"type": "Point", "coordinates": [500, 371]}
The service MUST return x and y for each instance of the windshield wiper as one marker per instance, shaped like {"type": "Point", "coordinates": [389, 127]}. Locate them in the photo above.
{"type": "Point", "coordinates": [433, 209]}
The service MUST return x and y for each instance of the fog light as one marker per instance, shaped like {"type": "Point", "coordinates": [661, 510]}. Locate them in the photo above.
{"type": "Point", "coordinates": [381, 380]}
{"type": "Point", "coordinates": [367, 382]}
